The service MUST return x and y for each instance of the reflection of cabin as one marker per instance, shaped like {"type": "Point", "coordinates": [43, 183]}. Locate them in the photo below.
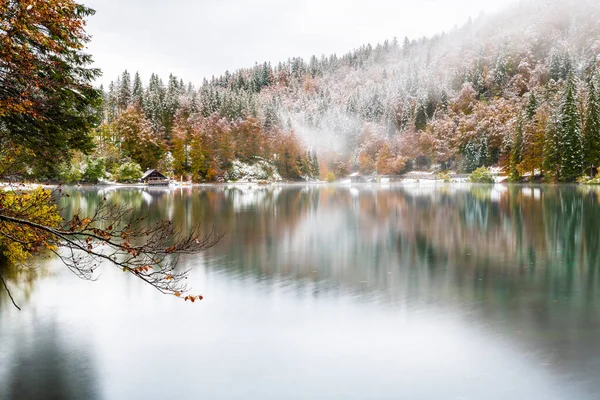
{"type": "Point", "coordinates": [153, 177]}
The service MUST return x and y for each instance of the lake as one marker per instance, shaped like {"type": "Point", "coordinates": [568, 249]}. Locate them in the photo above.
{"type": "Point", "coordinates": [418, 291]}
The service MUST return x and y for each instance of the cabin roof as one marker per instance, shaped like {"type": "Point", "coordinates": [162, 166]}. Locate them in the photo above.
{"type": "Point", "coordinates": [151, 172]}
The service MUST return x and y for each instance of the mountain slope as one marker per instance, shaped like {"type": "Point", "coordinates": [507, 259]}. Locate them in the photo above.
{"type": "Point", "coordinates": [457, 100]}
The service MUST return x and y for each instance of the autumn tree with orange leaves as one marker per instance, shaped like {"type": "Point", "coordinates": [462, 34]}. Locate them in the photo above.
{"type": "Point", "coordinates": [47, 101]}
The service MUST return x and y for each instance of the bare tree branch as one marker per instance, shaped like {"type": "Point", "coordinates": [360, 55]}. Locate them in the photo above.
{"type": "Point", "coordinates": [148, 251]}
{"type": "Point", "coordinates": [9, 294]}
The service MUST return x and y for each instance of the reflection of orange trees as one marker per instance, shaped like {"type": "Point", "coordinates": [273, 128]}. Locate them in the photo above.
{"type": "Point", "coordinates": [398, 239]}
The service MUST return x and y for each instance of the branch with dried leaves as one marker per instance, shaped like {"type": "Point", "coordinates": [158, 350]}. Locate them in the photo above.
{"type": "Point", "coordinates": [148, 251]}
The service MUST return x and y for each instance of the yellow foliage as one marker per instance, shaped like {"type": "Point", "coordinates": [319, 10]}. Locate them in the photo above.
{"type": "Point", "coordinates": [17, 240]}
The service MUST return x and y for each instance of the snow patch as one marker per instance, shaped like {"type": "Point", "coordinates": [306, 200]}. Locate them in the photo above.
{"type": "Point", "coordinates": [261, 170]}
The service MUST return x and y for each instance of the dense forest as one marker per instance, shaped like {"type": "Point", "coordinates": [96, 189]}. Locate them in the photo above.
{"type": "Point", "coordinates": [518, 90]}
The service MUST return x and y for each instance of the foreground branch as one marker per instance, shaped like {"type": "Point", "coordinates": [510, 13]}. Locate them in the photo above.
{"type": "Point", "coordinates": [148, 251]}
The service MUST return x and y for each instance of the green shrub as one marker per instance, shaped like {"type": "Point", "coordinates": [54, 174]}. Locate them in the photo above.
{"type": "Point", "coordinates": [481, 175]}
{"type": "Point", "coordinates": [69, 172]}
{"type": "Point", "coordinates": [129, 172]}
{"type": "Point", "coordinates": [94, 170]}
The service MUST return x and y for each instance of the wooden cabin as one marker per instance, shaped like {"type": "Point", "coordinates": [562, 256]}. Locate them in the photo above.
{"type": "Point", "coordinates": [154, 178]}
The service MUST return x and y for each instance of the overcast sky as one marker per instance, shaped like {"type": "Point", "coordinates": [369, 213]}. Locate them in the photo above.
{"type": "Point", "coordinates": [200, 38]}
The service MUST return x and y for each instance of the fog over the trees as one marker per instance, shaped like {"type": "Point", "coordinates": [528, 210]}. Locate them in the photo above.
{"type": "Point", "coordinates": [198, 39]}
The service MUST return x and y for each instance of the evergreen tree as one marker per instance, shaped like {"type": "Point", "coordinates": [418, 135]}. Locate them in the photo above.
{"type": "Point", "coordinates": [475, 154]}
{"type": "Point", "coordinates": [566, 66]}
{"type": "Point", "coordinates": [570, 135]}
{"type": "Point", "coordinates": [555, 67]}
{"type": "Point", "coordinates": [591, 130]}
{"type": "Point", "coordinates": [171, 103]}
{"type": "Point", "coordinates": [111, 103]}
{"type": "Point", "coordinates": [124, 96]}
{"type": "Point", "coordinates": [552, 150]}
{"type": "Point", "coordinates": [534, 130]}
{"type": "Point", "coordinates": [194, 102]}
{"type": "Point", "coordinates": [314, 167]}
{"type": "Point", "coordinates": [531, 108]}
{"type": "Point", "coordinates": [271, 117]}
{"type": "Point", "coordinates": [420, 117]}
{"type": "Point", "coordinates": [444, 100]}
{"type": "Point", "coordinates": [500, 71]}
{"type": "Point", "coordinates": [138, 91]}
{"type": "Point", "coordinates": [154, 103]}
{"type": "Point", "coordinates": [303, 166]}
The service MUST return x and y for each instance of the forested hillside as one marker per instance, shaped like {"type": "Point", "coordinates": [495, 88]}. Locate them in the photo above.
{"type": "Point", "coordinates": [517, 90]}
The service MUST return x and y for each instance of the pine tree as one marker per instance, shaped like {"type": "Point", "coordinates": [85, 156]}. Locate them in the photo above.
{"type": "Point", "coordinates": [302, 166]}
{"type": "Point", "coordinates": [555, 67]}
{"type": "Point", "coordinates": [171, 103]}
{"type": "Point", "coordinates": [420, 117]}
{"type": "Point", "coordinates": [534, 130]}
{"type": "Point", "coordinates": [552, 150]}
{"type": "Point", "coordinates": [570, 135]}
{"type": "Point", "coordinates": [138, 91]}
{"type": "Point", "coordinates": [111, 103]}
{"type": "Point", "coordinates": [531, 108]}
{"type": "Point", "coordinates": [444, 100]}
{"type": "Point", "coordinates": [124, 92]}
{"type": "Point", "coordinates": [515, 154]}
{"type": "Point", "coordinates": [591, 130]}
{"type": "Point", "coordinates": [566, 66]}
{"type": "Point", "coordinates": [314, 167]}
{"type": "Point", "coordinates": [475, 154]}
{"type": "Point", "coordinates": [500, 71]}
{"type": "Point", "coordinates": [154, 103]}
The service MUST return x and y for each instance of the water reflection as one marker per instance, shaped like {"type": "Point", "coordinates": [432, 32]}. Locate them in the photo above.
{"type": "Point", "coordinates": [42, 366]}
{"type": "Point", "coordinates": [330, 290]}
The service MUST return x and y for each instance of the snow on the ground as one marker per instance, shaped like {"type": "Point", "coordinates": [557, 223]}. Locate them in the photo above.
{"type": "Point", "coordinates": [259, 171]}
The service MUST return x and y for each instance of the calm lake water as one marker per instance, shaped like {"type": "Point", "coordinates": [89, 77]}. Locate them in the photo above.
{"type": "Point", "coordinates": [324, 292]}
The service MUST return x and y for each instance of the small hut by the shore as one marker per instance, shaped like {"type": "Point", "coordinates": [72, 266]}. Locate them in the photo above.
{"type": "Point", "coordinates": [154, 177]}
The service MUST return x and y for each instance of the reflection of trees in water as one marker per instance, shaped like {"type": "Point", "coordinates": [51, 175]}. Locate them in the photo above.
{"type": "Point", "coordinates": [21, 280]}
{"type": "Point", "coordinates": [527, 257]}
{"type": "Point", "coordinates": [491, 242]}
{"type": "Point", "coordinates": [43, 367]}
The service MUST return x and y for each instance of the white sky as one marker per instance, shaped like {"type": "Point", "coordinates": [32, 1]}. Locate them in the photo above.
{"type": "Point", "coordinates": [200, 38]}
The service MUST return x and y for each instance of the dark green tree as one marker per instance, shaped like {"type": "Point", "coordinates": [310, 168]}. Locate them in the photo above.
{"type": "Point", "coordinates": [421, 117]}
{"type": "Point", "coordinates": [124, 95]}
{"type": "Point", "coordinates": [154, 103]}
{"type": "Point", "coordinates": [138, 91]}
{"type": "Point", "coordinates": [552, 150]}
{"type": "Point", "coordinates": [570, 135]}
{"type": "Point", "coordinates": [591, 130]}
{"type": "Point", "coordinates": [171, 103]}
{"type": "Point", "coordinates": [555, 67]}
{"type": "Point", "coordinates": [314, 166]}
{"type": "Point", "coordinates": [47, 101]}
{"type": "Point", "coordinates": [531, 108]}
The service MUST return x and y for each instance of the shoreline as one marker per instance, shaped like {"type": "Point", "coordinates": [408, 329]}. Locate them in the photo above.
{"type": "Point", "coordinates": [345, 183]}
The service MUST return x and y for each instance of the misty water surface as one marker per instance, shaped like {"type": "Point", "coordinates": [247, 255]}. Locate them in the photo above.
{"type": "Point", "coordinates": [324, 292]}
